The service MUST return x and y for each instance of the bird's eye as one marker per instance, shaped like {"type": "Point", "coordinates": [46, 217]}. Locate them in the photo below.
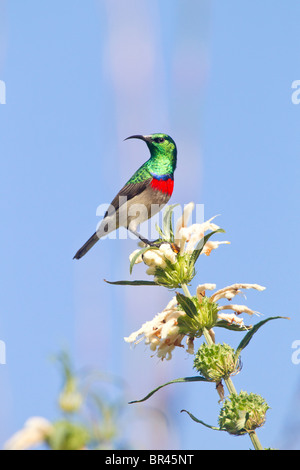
{"type": "Point", "coordinates": [159, 140]}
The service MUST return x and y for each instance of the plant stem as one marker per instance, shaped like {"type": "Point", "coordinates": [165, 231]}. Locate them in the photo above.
{"type": "Point", "coordinates": [229, 384]}
{"type": "Point", "coordinates": [207, 337]}
{"type": "Point", "coordinates": [186, 290]}
{"type": "Point", "coordinates": [255, 441]}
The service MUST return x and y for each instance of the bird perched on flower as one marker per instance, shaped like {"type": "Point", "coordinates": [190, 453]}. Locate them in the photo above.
{"type": "Point", "coordinates": [144, 195]}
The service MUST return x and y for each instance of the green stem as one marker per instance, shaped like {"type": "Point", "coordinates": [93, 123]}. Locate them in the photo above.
{"type": "Point", "coordinates": [186, 290]}
{"type": "Point", "coordinates": [207, 337]}
{"type": "Point", "coordinates": [229, 384]}
{"type": "Point", "coordinates": [255, 441]}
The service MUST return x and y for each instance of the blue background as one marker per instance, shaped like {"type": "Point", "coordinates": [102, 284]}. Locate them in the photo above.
{"type": "Point", "coordinates": [81, 77]}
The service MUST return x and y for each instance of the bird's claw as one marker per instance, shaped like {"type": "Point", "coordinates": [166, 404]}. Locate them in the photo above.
{"type": "Point", "coordinates": [158, 243]}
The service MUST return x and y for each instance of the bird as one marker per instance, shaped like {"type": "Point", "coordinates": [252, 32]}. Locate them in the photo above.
{"type": "Point", "coordinates": [144, 194]}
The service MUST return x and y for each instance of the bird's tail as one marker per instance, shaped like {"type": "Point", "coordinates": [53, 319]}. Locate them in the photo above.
{"type": "Point", "coordinates": [87, 246]}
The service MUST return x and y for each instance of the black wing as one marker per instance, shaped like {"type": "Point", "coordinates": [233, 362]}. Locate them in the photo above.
{"type": "Point", "coordinates": [129, 191]}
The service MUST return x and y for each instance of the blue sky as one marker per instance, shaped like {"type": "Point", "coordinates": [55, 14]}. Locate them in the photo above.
{"type": "Point", "coordinates": [81, 77]}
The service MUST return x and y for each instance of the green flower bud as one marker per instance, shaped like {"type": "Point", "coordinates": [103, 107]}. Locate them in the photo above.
{"type": "Point", "coordinates": [216, 362]}
{"type": "Point", "coordinates": [70, 400]}
{"type": "Point", "coordinates": [206, 317]}
{"type": "Point", "coordinates": [242, 413]}
{"type": "Point", "coordinates": [174, 274]}
{"type": "Point", "coordinates": [68, 436]}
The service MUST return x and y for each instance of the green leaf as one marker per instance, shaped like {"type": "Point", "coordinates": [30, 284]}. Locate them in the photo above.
{"type": "Point", "coordinates": [160, 232]}
{"type": "Point", "coordinates": [141, 252]}
{"type": "Point", "coordinates": [181, 380]}
{"type": "Point", "coordinates": [232, 326]}
{"type": "Point", "coordinates": [187, 304]}
{"type": "Point", "coordinates": [132, 283]}
{"type": "Point", "coordinates": [247, 338]}
{"type": "Point", "coordinates": [199, 248]}
{"type": "Point", "coordinates": [201, 422]}
{"type": "Point", "coordinates": [167, 222]}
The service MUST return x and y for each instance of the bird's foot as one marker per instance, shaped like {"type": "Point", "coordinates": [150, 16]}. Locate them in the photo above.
{"type": "Point", "coordinates": [155, 243]}
{"type": "Point", "coordinates": [158, 243]}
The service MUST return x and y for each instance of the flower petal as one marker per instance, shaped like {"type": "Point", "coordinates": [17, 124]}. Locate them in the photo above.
{"type": "Point", "coordinates": [231, 318]}
{"type": "Point", "coordinates": [239, 309]}
{"type": "Point", "coordinates": [166, 250]}
{"type": "Point", "coordinates": [212, 245]}
{"type": "Point", "coordinates": [138, 260]}
{"type": "Point", "coordinates": [154, 258]}
{"type": "Point", "coordinates": [183, 220]}
{"type": "Point", "coordinates": [184, 234]}
{"type": "Point", "coordinates": [201, 290]}
{"type": "Point", "coordinates": [35, 431]}
{"type": "Point", "coordinates": [233, 290]}
{"type": "Point", "coordinates": [162, 333]}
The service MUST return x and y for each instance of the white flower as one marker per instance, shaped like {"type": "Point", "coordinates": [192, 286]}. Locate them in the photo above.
{"type": "Point", "coordinates": [168, 253]}
{"type": "Point", "coordinates": [231, 291]}
{"type": "Point", "coordinates": [36, 430]}
{"type": "Point", "coordinates": [190, 345]}
{"type": "Point", "coordinates": [151, 271]}
{"type": "Point", "coordinates": [162, 333]}
{"type": "Point", "coordinates": [154, 258]}
{"type": "Point", "coordinates": [186, 240]}
{"type": "Point", "coordinates": [202, 288]}
{"type": "Point", "coordinates": [211, 245]}
{"type": "Point", "coordinates": [228, 293]}
{"type": "Point", "coordinates": [139, 258]}
{"type": "Point", "coordinates": [183, 221]}
{"type": "Point", "coordinates": [231, 318]}
{"type": "Point", "coordinates": [239, 309]}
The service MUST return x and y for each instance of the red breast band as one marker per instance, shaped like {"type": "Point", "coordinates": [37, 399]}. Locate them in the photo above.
{"type": "Point", "coordinates": [165, 186]}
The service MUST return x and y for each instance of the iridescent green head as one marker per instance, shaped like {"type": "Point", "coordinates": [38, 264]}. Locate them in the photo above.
{"type": "Point", "coordinates": [158, 144]}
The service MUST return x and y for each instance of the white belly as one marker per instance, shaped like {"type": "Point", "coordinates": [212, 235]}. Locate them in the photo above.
{"type": "Point", "coordinates": [134, 212]}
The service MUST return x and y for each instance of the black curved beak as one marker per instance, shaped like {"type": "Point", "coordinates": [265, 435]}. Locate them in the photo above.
{"type": "Point", "coordinates": [141, 137]}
